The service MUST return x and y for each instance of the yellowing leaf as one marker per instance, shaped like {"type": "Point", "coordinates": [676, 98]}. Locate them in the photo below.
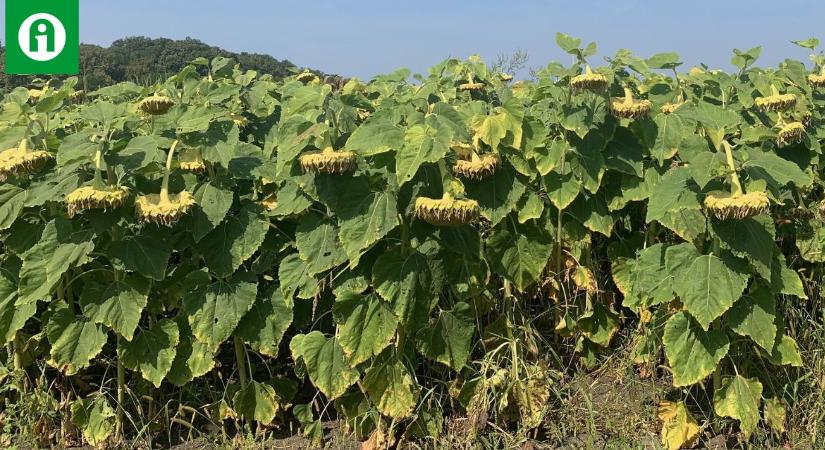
{"type": "Point", "coordinates": [775, 413]}
{"type": "Point", "coordinates": [739, 398]}
{"type": "Point", "coordinates": [95, 419]}
{"type": "Point", "coordinates": [392, 389]}
{"type": "Point", "coordinates": [679, 428]}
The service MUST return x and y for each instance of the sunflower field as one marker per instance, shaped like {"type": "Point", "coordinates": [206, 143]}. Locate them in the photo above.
{"type": "Point", "coordinates": [232, 251]}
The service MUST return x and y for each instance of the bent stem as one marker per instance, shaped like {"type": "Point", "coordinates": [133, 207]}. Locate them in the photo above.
{"type": "Point", "coordinates": [736, 184]}
{"type": "Point", "coordinates": [164, 187]}
{"type": "Point", "coordinates": [628, 95]}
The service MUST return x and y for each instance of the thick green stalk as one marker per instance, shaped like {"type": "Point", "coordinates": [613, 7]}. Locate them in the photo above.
{"type": "Point", "coordinates": [121, 371]}
{"type": "Point", "coordinates": [240, 359]}
{"type": "Point", "coordinates": [736, 185]}
{"type": "Point", "coordinates": [18, 353]}
{"type": "Point", "coordinates": [559, 227]}
{"type": "Point", "coordinates": [121, 392]}
{"type": "Point", "coordinates": [716, 325]}
{"type": "Point", "coordinates": [98, 179]}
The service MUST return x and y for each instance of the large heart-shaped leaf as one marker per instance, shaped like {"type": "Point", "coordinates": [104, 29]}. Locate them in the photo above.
{"type": "Point", "coordinates": [366, 326]}
{"type": "Point", "coordinates": [692, 352]}
{"type": "Point", "coordinates": [152, 351]}
{"type": "Point", "coordinates": [118, 305]}
{"type": "Point", "coordinates": [75, 340]}
{"type": "Point", "coordinates": [326, 363]}
{"type": "Point", "coordinates": [216, 310]}
{"type": "Point", "coordinates": [711, 289]}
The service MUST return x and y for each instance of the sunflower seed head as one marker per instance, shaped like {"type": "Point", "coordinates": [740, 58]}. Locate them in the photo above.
{"type": "Point", "coordinates": [624, 108]}
{"type": "Point", "coordinates": [791, 133]}
{"type": "Point", "coordinates": [307, 77]}
{"type": "Point", "coordinates": [473, 86]}
{"type": "Point", "coordinates": [670, 108]}
{"type": "Point", "coordinates": [19, 160]}
{"type": "Point", "coordinates": [270, 202]}
{"type": "Point", "coordinates": [190, 160]}
{"type": "Point", "coordinates": [594, 82]}
{"type": "Point", "coordinates": [87, 197]}
{"type": "Point", "coordinates": [816, 80]}
{"type": "Point", "coordinates": [150, 208]}
{"type": "Point", "coordinates": [328, 161]}
{"type": "Point", "coordinates": [155, 105]}
{"type": "Point", "coordinates": [478, 167]}
{"type": "Point", "coordinates": [742, 206]}
{"type": "Point", "coordinates": [446, 211]}
{"type": "Point", "coordinates": [780, 102]}
{"type": "Point", "coordinates": [239, 120]}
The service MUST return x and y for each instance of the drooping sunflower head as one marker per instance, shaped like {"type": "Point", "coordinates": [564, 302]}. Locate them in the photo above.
{"type": "Point", "coordinates": [727, 206]}
{"type": "Point", "coordinates": [270, 202]}
{"type": "Point", "coordinates": [670, 108]}
{"type": "Point", "coordinates": [36, 94]}
{"type": "Point", "coordinates": [791, 133]}
{"type": "Point", "coordinates": [477, 167]}
{"type": "Point", "coordinates": [776, 102]}
{"type": "Point", "coordinates": [239, 120]}
{"type": "Point", "coordinates": [816, 79]}
{"type": "Point", "coordinates": [77, 95]}
{"type": "Point", "coordinates": [696, 71]}
{"type": "Point", "coordinates": [505, 77]}
{"type": "Point", "coordinates": [152, 208]}
{"type": "Point", "coordinates": [628, 107]}
{"type": "Point", "coordinates": [363, 114]}
{"type": "Point", "coordinates": [328, 161]}
{"type": "Point", "coordinates": [155, 105]}
{"type": "Point", "coordinates": [89, 197]}
{"type": "Point", "coordinates": [191, 160]}
{"type": "Point", "coordinates": [446, 211]}
{"type": "Point", "coordinates": [590, 81]}
{"type": "Point", "coordinates": [19, 160]}
{"type": "Point", "coordinates": [307, 77]}
{"type": "Point", "coordinates": [471, 86]}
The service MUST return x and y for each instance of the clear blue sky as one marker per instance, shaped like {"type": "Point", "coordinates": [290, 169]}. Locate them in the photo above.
{"type": "Point", "coordinates": [366, 37]}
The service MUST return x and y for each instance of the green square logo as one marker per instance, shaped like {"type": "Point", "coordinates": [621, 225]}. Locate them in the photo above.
{"type": "Point", "coordinates": [42, 37]}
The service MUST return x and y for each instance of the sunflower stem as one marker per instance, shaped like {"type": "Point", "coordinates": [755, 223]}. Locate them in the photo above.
{"type": "Point", "coordinates": [559, 218]}
{"type": "Point", "coordinates": [628, 95]}
{"type": "Point", "coordinates": [98, 179]}
{"type": "Point", "coordinates": [18, 354]}
{"type": "Point", "coordinates": [121, 392]}
{"type": "Point", "coordinates": [736, 185]}
{"type": "Point", "coordinates": [164, 187]}
{"type": "Point", "coordinates": [240, 359]}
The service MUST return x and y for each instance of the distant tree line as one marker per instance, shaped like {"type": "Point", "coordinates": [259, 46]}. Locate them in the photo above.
{"type": "Point", "coordinates": [145, 60]}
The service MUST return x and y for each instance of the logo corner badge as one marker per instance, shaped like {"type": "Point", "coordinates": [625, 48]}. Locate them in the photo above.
{"type": "Point", "coordinates": [46, 37]}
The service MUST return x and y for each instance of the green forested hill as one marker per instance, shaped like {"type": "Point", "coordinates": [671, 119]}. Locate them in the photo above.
{"type": "Point", "coordinates": [146, 60]}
